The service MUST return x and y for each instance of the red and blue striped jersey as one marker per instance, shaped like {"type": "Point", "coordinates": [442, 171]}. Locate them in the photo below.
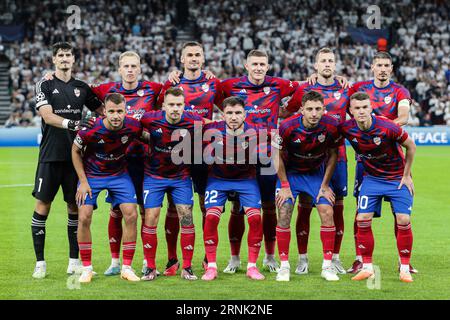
{"type": "Point", "coordinates": [233, 156]}
{"type": "Point", "coordinates": [306, 149]}
{"type": "Point", "coordinates": [159, 163]}
{"type": "Point", "coordinates": [139, 100]}
{"type": "Point", "coordinates": [378, 147]}
{"type": "Point", "coordinates": [384, 101]}
{"type": "Point", "coordinates": [336, 101]}
{"type": "Point", "coordinates": [262, 102]}
{"type": "Point", "coordinates": [104, 150]}
{"type": "Point", "coordinates": [200, 95]}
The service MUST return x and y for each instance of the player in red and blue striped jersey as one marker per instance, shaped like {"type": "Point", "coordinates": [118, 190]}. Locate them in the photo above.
{"type": "Point", "coordinates": [166, 128]}
{"type": "Point", "coordinates": [336, 100]}
{"type": "Point", "coordinates": [388, 99]}
{"type": "Point", "coordinates": [98, 155]}
{"type": "Point", "coordinates": [262, 95]}
{"type": "Point", "coordinates": [378, 141]}
{"type": "Point", "coordinates": [232, 151]}
{"type": "Point", "coordinates": [141, 96]}
{"type": "Point", "coordinates": [308, 144]}
{"type": "Point", "coordinates": [201, 93]}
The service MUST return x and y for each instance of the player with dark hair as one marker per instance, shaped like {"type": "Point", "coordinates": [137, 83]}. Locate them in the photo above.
{"type": "Point", "coordinates": [390, 100]}
{"type": "Point", "coordinates": [166, 128]}
{"type": "Point", "coordinates": [262, 95]}
{"type": "Point", "coordinates": [60, 102]}
{"type": "Point", "coordinates": [232, 154]}
{"type": "Point", "coordinates": [308, 144]}
{"type": "Point", "coordinates": [336, 100]}
{"type": "Point", "coordinates": [201, 93]}
{"type": "Point", "coordinates": [98, 156]}
{"type": "Point", "coordinates": [378, 141]}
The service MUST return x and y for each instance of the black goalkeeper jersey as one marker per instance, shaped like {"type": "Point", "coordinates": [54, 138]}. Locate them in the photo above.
{"type": "Point", "coordinates": [67, 100]}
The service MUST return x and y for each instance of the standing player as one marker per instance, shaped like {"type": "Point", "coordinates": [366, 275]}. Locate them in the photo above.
{"type": "Point", "coordinates": [336, 99]}
{"type": "Point", "coordinates": [378, 140]}
{"type": "Point", "coordinates": [309, 143]}
{"type": "Point", "coordinates": [235, 144]}
{"type": "Point", "coordinates": [141, 96]}
{"type": "Point", "coordinates": [388, 99]}
{"type": "Point", "coordinates": [200, 96]}
{"type": "Point", "coordinates": [60, 103]}
{"type": "Point", "coordinates": [98, 156]}
{"type": "Point", "coordinates": [162, 175]}
{"type": "Point", "coordinates": [262, 95]}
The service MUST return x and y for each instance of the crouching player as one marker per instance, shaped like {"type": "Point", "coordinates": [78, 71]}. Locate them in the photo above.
{"type": "Point", "coordinates": [98, 155]}
{"type": "Point", "coordinates": [162, 175]}
{"type": "Point", "coordinates": [308, 144]}
{"type": "Point", "coordinates": [378, 141]}
{"type": "Point", "coordinates": [232, 171]}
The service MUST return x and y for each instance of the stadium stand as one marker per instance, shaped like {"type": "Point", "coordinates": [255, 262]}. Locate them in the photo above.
{"type": "Point", "coordinates": [417, 34]}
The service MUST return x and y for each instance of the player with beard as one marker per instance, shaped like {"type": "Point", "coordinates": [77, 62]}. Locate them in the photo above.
{"type": "Point", "coordinates": [201, 93]}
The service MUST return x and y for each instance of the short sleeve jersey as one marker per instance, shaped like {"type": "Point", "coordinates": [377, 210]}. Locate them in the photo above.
{"type": "Point", "coordinates": [104, 149]}
{"type": "Point", "coordinates": [306, 149]}
{"type": "Point", "coordinates": [200, 95]}
{"type": "Point", "coordinates": [262, 102]}
{"type": "Point", "coordinates": [378, 147]}
{"type": "Point", "coordinates": [166, 140]}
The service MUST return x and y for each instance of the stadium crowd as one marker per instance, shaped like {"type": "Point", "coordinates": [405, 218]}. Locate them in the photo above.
{"type": "Point", "coordinates": [290, 31]}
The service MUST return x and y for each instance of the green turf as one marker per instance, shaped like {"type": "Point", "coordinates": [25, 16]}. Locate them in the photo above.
{"type": "Point", "coordinates": [430, 254]}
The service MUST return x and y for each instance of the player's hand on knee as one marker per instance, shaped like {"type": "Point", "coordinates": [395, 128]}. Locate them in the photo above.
{"type": "Point", "coordinates": [83, 190]}
{"type": "Point", "coordinates": [174, 76]}
{"type": "Point", "coordinates": [408, 182]}
{"type": "Point", "coordinates": [327, 193]}
{"type": "Point", "coordinates": [283, 195]}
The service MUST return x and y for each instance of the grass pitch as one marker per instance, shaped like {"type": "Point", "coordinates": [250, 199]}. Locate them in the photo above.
{"type": "Point", "coordinates": [431, 252]}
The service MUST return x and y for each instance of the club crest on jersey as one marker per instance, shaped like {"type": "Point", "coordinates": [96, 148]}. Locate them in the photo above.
{"type": "Point", "coordinates": [244, 145]}
{"type": "Point", "coordinates": [377, 140]}
{"type": "Point", "coordinates": [321, 137]}
{"type": "Point", "coordinates": [140, 93]}
{"type": "Point", "coordinates": [387, 99]}
{"type": "Point", "coordinates": [124, 139]}
{"type": "Point", "coordinates": [77, 92]}
{"type": "Point", "coordinates": [266, 90]}
{"type": "Point", "coordinates": [205, 87]}
{"type": "Point", "coordinates": [337, 95]}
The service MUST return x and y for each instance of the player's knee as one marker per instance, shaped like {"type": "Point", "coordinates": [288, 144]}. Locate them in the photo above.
{"type": "Point", "coordinates": [43, 208]}
{"type": "Point", "coordinates": [402, 219]}
{"type": "Point", "coordinates": [364, 216]}
{"type": "Point", "coordinates": [84, 220]}
{"type": "Point", "coordinates": [326, 215]}
{"type": "Point", "coordinates": [72, 208]}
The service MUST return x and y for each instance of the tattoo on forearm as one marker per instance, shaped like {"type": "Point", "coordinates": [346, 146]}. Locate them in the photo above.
{"type": "Point", "coordinates": [184, 214]}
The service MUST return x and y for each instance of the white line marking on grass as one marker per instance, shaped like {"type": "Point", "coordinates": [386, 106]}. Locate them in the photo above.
{"type": "Point", "coordinates": [15, 185]}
